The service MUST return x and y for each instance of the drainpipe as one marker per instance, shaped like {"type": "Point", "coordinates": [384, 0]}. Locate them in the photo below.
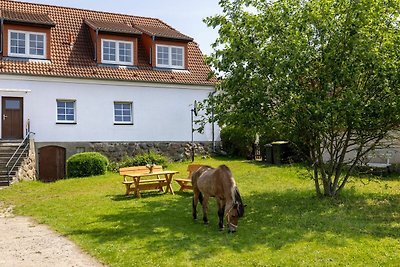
{"type": "Point", "coordinates": [213, 123]}
{"type": "Point", "coordinates": [1, 35]}
{"type": "Point", "coordinates": [95, 46]}
{"type": "Point", "coordinates": [153, 38]}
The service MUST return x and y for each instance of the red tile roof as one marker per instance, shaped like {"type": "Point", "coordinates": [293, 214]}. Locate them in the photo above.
{"type": "Point", "coordinates": [77, 61]}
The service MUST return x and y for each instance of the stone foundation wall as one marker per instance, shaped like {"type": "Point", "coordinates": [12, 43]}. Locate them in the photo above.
{"type": "Point", "coordinates": [27, 171]}
{"type": "Point", "coordinates": [176, 151]}
{"type": "Point", "coordinates": [116, 151]}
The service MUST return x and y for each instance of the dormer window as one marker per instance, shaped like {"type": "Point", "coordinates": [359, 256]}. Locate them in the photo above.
{"type": "Point", "coordinates": [170, 56]}
{"type": "Point", "coordinates": [27, 44]}
{"type": "Point", "coordinates": [117, 52]}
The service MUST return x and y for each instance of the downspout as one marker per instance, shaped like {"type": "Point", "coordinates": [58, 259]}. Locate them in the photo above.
{"type": "Point", "coordinates": [95, 46]}
{"type": "Point", "coordinates": [213, 123]}
{"type": "Point", "coordinates": [153, 38]}
{"type": "Point", "coordinates": [1, 35]}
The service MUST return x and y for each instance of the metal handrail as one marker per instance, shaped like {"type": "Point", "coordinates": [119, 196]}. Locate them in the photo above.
{"type": "Point", "coordinates": [23, 145]}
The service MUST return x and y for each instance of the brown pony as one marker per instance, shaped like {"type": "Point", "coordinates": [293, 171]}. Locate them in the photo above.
{"type": "Point", "coordinates": [219, 183]}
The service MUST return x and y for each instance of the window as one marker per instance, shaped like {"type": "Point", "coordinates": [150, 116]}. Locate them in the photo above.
{"type": "Point", "coordinates": [117, 52]}
{"type": "Point", "coordinates": [66, 111]}
{"type": "Point", "coordinates": [27, 44]}
{"type": "Point", "coordinates": [123, 113]}
{"type": "Point", "coordinates": [170, 56]}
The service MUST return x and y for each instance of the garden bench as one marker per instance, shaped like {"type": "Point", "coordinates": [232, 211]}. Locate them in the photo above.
{"type": "Point", "coordinates": [186, 183]}
{"type": "Point", "coordinates": [134, 183]}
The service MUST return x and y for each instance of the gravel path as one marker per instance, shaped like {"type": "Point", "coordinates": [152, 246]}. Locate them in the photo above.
{"type": "Point", "coordinates": [24, 243]}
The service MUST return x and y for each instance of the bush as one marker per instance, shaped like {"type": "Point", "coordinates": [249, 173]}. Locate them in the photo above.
{"type": "Point", "coordinates": [86, 164]}
{"type": "Point", "coordinates": [237, 141]}
{"type": "Point", "coordinates": [140, 160]}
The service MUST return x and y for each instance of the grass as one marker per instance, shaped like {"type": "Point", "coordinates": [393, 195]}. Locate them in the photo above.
{"type": "Point", "coordinates": [284, 225]}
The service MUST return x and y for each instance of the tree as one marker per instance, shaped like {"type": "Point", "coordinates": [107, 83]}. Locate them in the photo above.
{"type": "Point", "coordinates": [322, 73]}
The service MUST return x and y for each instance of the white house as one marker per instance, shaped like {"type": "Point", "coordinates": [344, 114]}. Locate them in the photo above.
{"type": "Point", "coordinates": [83, 80]}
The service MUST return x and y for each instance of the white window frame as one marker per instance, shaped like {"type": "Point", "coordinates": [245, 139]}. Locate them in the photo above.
{"type": "Point", "coordinates": [169, 65]}
{"type": "Point", "coordinates": [27, 53]}
{"type": "Point", "coordinates": [130, 122]}
{"type": "Point", "coordinates": [117, 61]}
{"type": "Point", "coordinates": [66, 121]}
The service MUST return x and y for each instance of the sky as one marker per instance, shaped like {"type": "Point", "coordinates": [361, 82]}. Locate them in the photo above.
{"type": "Point", "coordinates": [184, 15]}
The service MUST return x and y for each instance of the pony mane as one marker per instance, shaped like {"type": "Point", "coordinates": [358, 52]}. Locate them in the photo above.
{"type": "Point", "coordinates": [238, 200]}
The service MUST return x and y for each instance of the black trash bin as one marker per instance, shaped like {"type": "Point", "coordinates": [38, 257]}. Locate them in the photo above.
{"type": "Point", "coordinates": [280, 152]}
{"type": "Point", "coordinates": [267, 155]}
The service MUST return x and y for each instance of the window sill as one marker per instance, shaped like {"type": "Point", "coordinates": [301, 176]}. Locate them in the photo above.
{"type": "Point", "coordinates": [118, 66]}
{"type": "Point", "coordinates": [61, 122]}
{"type": "Point", "coordinates": [171, 69]}
{"type": "Point", "coordinates": [27, 59]}
{"type": "Point", "coordinates": [120, 123]}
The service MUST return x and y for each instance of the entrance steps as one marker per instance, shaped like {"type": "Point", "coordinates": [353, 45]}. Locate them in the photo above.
{"type": "Point", "coordinates": [7, 149]}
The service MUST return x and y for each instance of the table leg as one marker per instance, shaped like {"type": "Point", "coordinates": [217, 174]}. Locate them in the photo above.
{"type": "Point", "coordinates": [137, 192]}
{"type": "Point", "coordinates": [169, 181]}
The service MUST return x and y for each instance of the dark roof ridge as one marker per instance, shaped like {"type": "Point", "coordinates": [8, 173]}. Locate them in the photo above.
{"type": "Point", "coordinates": [88, 10]}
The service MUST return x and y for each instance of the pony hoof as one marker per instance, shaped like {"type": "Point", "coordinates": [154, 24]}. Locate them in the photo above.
{"type": "Point", "coordinates": [205, 223]}
{"type": "Point", "coordinates": [221, 229]}
{"type": "Point", "coordinates": [231, 231]}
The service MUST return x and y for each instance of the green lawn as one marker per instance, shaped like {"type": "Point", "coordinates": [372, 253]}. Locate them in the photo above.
{"type": "Point", "coordinates": [284, 225]}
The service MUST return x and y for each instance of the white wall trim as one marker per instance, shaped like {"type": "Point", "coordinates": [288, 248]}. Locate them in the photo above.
{"type": "Point", "coordinates": [15, 90]}
{"type": "Point", "coordinates": [105, 82]}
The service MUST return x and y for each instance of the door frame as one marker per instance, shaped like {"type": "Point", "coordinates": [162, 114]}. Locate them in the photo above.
{"type": "Point", "coordinates": [21, 121]}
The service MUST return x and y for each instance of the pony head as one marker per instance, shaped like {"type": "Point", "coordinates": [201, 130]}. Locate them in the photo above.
{"type": "Point", "coordinates": [235, 212]}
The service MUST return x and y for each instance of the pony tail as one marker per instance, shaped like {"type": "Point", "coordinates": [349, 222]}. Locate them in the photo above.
{"type": "Point", "coordinates": [201, 198]}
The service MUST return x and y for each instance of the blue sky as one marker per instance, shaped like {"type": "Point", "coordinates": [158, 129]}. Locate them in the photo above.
{"type": "Point", "coordinates": [184, 15]}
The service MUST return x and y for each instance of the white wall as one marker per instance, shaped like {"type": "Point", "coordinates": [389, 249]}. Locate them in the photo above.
{"type": "Point", "coordinates": [160, 112]}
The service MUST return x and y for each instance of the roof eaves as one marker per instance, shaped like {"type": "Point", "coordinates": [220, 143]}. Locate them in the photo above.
{"type": "Point", "coordinates": [179, 36]}
{"type": "Point", "coordinates": [29, 18]}
{"type": "Point", "coordinates": [92, 25]}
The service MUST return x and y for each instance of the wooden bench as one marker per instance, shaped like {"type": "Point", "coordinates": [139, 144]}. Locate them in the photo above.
{"type": "Point", "coordinates": [186, 183]}
{"type": "Point", "coordinates": [132, 184]}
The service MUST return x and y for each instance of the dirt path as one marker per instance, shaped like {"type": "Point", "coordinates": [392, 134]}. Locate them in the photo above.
{"type": "Point", "coordinates": [24, 243]}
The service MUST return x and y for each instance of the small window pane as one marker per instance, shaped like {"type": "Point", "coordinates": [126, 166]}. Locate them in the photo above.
{"type": "Point", "coordinates": [12, 104]}
{"type": "Point", "coordinates": [162, 55]}
{"type": "Point", "coordinates": [109, 51]}
{"type": "Point", "coordinates": [65, 111]}
{"type": "Point", "coordinates": [123, 112]}
{"type": "Point", "coordinates": [125, 52]}
{"type": "Point", "coordinates": [177, 56]}
{"type": "Point", "coordinates": [36, 44]}
{"type": "Point", "coordinates": [17, 43]}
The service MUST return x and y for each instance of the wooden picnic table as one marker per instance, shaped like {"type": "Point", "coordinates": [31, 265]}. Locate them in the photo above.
{"type": "Point", "coordinates": [140, 184]}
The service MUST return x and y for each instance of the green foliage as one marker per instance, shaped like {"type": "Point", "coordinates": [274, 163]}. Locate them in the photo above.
{"type": "Point", "coordinates": [324, 74]}
{"type": "Point", "coordinates": [237, 142]}
{"type": "Point", "coordinates": [284, 225]}
{"type": "Point", "coordinates": [86, 164]}
{"type": "Point", "coordinates": [140, 160]}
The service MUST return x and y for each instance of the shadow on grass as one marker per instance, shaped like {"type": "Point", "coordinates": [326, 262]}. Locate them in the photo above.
{"type": "Point", "coordinates": [273, 219]}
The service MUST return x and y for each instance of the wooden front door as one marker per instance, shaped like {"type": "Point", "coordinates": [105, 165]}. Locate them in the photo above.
{"type": "Point", "coordinates": [51, 163]}
{"type": "Point", "coordinates": [12, 118]}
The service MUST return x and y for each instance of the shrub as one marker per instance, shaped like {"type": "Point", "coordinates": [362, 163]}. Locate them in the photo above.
{"type": "Point", "coordinates": [140, 160]}
{"type": "Point", "coordinates": [237, 141]}
{"type": "Point", "coordinates": [86, 164]}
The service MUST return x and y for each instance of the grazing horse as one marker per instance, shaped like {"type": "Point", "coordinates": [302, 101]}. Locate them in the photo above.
{"type": "Point", "coordinates": [219, 183]}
